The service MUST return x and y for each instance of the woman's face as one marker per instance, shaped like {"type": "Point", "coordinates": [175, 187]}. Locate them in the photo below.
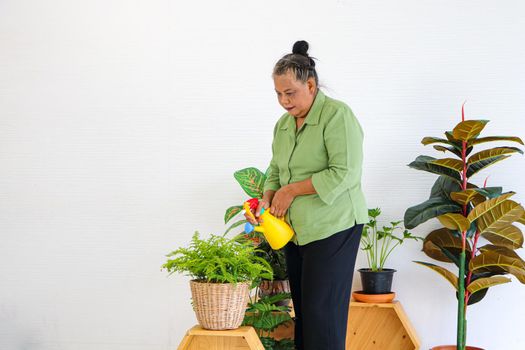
{"type": "Point", "coordinates": [294, 95]}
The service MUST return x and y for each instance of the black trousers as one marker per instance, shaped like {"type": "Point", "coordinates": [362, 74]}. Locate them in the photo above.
{"type": "Point", "coordinates": [320, 276]}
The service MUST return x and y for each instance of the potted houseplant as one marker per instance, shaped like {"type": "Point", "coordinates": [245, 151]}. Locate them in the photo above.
{"type": "Point", "coordinates": [223, 270]}
{"type": "Point", "coordinates": [252, 181]}
{"type": "Point", "coordinates": [469, 214]}
{"type": "Point", "coordinates": [271, 321]}
{"type": "Point", "coordinates": [378, 244]}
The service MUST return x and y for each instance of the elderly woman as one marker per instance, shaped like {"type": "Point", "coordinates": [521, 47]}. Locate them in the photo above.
{"type": "Point", "coordinates": [314, 180]}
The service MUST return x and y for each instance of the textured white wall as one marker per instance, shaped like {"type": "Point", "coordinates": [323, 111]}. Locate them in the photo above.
{"type": "Point", "coordinates": [121, 123]}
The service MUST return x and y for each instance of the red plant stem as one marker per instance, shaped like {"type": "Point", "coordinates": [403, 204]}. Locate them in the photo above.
{"type": "Point", "coordinates": [464, 187]}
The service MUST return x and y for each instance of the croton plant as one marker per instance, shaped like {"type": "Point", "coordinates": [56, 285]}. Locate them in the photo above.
{"type": "Point", "coordinates": [470, 215]}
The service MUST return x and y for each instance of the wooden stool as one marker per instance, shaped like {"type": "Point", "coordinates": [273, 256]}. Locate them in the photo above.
{"type": "Point", "coordinates": [383, 326]}
{"type": "Point", "coordinates": [198, 338]}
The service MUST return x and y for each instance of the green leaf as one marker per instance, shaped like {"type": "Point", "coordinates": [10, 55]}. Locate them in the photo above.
{"type": "Point", "coordinates": [431, 208]}
{"type": "Point", "coordinates": [449, 276]}
{"type": "Point", "coordinates": [231, 212]}
{"type": "Point", "coordinates": [450, 163]}
{"type": "Point", "coordinates": [486, 282]}
{"type": "Point", "coordinates": [443, 187]}
{"type": "Point", "coordinates": [490, 192]}
{"type": "Point", "coordinates": [235, 224]}
{"type": "Point", "coordinates": [487, 206]}
{"type": "Point", "coordinates": [476, 167]}
{"type": "Point", "coordinates": [454, 221]}
{"type": "Point", "coordinates": [251, 180]}
{"type": "Point", "coordinates": [468, 129]}
{"type": "Point", "coordinates": [425, 163]}
{"type": "Point", "coordinates": [494, 138]}
{"type": "Point", "coordinates": [443, 239]}
{"type": "Point", "coordinates": [491, 154]}
{"type": "Point", "coordinates": [489, 259]}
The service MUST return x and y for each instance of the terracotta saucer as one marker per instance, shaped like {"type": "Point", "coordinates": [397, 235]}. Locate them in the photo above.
{"type": "Point", "coordinates": [373, 298]}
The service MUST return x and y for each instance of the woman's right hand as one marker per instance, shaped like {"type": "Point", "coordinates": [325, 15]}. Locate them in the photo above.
{"type": "Point", "coordinates": [262, 204]}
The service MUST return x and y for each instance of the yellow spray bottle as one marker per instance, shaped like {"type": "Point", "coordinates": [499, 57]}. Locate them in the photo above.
{"type": "Point", "coordinates": [276, 231]}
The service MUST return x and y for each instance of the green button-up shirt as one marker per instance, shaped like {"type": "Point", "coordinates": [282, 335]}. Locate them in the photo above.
{"type": "Point", "coordinates": [329, 149]}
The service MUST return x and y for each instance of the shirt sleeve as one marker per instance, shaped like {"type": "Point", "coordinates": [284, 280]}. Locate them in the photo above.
{"type": "Point", "coordinates": [272, 182]}
{"type": "Point", "coordinates": [343, 139]}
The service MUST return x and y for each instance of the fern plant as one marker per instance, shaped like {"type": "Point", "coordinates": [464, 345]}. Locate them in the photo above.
{"type": "Point", "coordinates": [219, 260]}
{"type": "Point", "coordinates": [265, 316]}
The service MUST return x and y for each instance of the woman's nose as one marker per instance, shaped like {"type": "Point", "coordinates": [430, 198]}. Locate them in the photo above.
{"type": "Point", "coordinates": [285, 101]}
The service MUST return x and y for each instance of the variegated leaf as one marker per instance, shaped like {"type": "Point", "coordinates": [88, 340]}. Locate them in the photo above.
{"type": "Point", "coordinates": [492, 153]}
{"type": "Point", "coordinates": [251, 180]}
{"type": "Point", "coordinates": [509, 236]}
{"type": "Point", "coordinates": [494, 138]}
{"type": "Point", "coordinates": [486, 282]}
{"type": "Point", "coordinates": [231, 212]}
{"type": "Point", "coordinates": [443, 239]}
{"type": "Point", "coordinates": [500, 250]}
{"type": "Point", "coordinates": [476, 167]}
{"type": "Point", "coordinates": [454, 221]}
{"type": "Point", "coordinates": [451, 163]}
{"type": "Point", "coordinates": [430, 140]}
{"type": "Point", "coordinates": [425, 163]}
{"type": "Point", "coordinates": [448, 149]}
{"type": "Point", "coordinates": [467, 196]}
{"type": "Point", "coordinates": [521, 220]}
{"type": "Point", "coordinates": [489, 260]}
{"type": "Point", "coordinates": [449, 276]}
{"type": "Point", "coordinates": [500, 216]}
{"type": "Point", "coordinates": [486, 206]}
{"type": "Point", "coordinates": [468, 129]}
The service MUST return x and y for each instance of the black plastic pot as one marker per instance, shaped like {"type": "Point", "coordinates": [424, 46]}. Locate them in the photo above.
{"type": "Point", "coordinates": [377, 282]}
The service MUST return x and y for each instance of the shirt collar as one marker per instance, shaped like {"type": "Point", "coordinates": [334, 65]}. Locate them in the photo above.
{"type": "Point", "coordinates": [312, 118]}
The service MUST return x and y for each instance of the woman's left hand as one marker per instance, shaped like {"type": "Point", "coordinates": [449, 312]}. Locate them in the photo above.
{"type": "Point", "coordinates": [281, 201]}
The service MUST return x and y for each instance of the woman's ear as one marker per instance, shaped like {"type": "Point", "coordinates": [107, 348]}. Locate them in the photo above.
{"type": "Point", "coordinates": [312, 86]}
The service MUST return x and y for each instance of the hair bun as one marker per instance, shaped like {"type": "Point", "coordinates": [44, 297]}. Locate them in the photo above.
{"type": "Point", "coordinates": [300, 48]}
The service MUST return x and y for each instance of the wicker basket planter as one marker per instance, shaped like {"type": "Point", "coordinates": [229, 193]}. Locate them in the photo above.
{"type": "Point", "coordinates": [219, 306]}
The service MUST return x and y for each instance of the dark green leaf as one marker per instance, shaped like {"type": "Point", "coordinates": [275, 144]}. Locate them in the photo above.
{"type": "Point", "coordinates": [431, 208]}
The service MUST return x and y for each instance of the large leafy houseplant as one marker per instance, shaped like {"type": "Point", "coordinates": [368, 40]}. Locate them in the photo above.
{"type": "Point", "coordinates": [252, 182]}
{"type": "Point", "coordinates": [469, 214]}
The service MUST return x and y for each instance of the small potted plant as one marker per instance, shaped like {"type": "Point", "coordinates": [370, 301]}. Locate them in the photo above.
{"type": "Point", "coordinates": [223, 270]}
{"type": "Point", "coordinates": [252, 182]}
{"type": "Point", "coordinates": [470, 215]}
{"type": "Point", "coordinates": [378, 244]}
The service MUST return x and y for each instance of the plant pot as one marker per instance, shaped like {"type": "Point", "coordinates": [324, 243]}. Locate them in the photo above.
{"type": "Point", "coordinates": [377, 282]}
{"type": "Point", "coordinates": [269, 288]}
{"type": "Point", "coordinates": [453, 347]}
{"type": "Point", "coordinates": [219, 306]}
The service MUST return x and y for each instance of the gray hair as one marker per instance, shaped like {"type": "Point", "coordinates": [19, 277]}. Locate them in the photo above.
{"type": "Point", "coordinates": [298, 62]}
